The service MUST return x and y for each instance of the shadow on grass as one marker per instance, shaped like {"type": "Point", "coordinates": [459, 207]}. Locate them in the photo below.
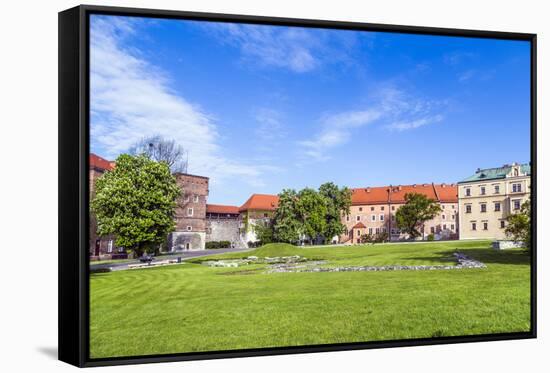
{"type": "Point", "coordinates": [483, 254]}
{"type": "Point", "coordinates": [492, 256]}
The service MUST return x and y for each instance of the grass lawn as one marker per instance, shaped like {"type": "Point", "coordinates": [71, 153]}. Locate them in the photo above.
{"type": "Point", "coordinates": [192, 307]}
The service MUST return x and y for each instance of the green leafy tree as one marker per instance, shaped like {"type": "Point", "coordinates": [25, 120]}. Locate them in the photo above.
{"type": "Point", "coordinates": [338, 202]}
{"type": "Point", "coordinates": [519, 225]}
{"type": "Point", "coordinates": [312, 211]}
{"type": "Point", "coordinates": [264, 231]}
{"type": "Point", "coordinates": [136, 202]}
{"type": "Point", "coordinates": [415, 212]}
{"type": "Point", "coordinates": [286, 222]}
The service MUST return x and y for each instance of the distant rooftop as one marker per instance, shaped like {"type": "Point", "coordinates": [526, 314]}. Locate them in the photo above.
{"type": "Point", "coordinates": [497, 173]}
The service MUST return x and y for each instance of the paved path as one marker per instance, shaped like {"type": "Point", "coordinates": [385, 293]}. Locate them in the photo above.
{"type": "Point", "coordinates": [185, 255]}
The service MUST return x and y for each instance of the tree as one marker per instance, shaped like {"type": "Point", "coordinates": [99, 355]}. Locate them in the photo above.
{"type": "Point", "coordinates": [264, 231]}
{"type": "Point", "coordinates": [519, 225]}
{"type": "Point", "coordinates": [415, 212]}
{"type": "Point", "coordinates": [160, 149]}
{"type": "Point", "coordinates": [338, 202]}
{"type": "Point", "coordinates": [136, 202]}
{"type": "Point", "coordinates": [286, 223]}
{"type": "Point", "coordinates": [311, 211]}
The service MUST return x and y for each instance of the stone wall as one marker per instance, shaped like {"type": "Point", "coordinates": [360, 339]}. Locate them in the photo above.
{"type": "Point", "coordinates": [184, 241]}
{"type": "Point", "coordinates": [223, 230]}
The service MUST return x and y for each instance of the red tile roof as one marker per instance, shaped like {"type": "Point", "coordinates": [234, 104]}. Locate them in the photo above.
{"type": "Point", "coordinates": [100, 163]}
{"type": "Point", "coordinates": [267, 202]}
{"type": "Point", "coordinates": [396, 194]}
{"type": "Point", "coordinates": [358, 226]}
{"type": "Point", "coordinates": [222, 209]}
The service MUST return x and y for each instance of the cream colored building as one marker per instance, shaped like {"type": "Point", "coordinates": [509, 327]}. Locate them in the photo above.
{"type": "Point", "coordinates": [486, 198]}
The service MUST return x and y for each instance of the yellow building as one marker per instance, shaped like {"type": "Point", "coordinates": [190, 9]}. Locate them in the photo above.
{"type": "Point", "coordinates": [486, 198]}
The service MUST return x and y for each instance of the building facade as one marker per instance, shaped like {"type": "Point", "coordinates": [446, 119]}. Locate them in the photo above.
{"type": "Point", "coordinates": [258, 209]}
{"type": "Point", "coordinates": [100, 247]}
{"type": "Point", "coordinates": [489, 196]}
{"type": "Point", "coordinates": [190, 233]}
{"type": "Point", "coordinates": [223, 224]}
{"type": "Point", "coordinates": [373, 211]}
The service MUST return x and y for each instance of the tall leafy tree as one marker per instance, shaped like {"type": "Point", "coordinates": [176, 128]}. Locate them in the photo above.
{"type": "Point", "coordinates": [338, 202]}
{"type": "Point", "coordinates": [519, 225]}
{"type": "Point", "coordinates": [312, 211]}
{"type": "Point", "coordinates": [136, 202]}
{"type": "Point", "coordinates": [415, 212]}
{"type": "Point", "coordinates": [287, 225]}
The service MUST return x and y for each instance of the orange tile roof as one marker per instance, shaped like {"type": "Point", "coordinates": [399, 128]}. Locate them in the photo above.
{"type": "Point", "coordinates": [396, 194]}
{"type": "Point", "coordinates": [266, 202]}
{"type": "Point", "coordinates": [222, 209]}
{"type": "Point", "coordinates": [358, 226]}
{"type": "Point", "coordinates": [100, 163]}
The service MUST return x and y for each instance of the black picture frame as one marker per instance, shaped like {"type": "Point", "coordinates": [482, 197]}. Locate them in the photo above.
{"type": "Point", "coordinates": [74, 183]}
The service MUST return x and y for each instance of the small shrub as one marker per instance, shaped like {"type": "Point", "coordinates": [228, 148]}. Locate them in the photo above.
{"type": "Point", "coordinates": [431, 237]}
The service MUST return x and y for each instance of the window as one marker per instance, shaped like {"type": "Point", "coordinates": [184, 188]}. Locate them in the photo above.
{"type": "Point", "coordinates": [187, 246]}
{"type": "Point", "coordinates": [110, 246]}
{"type": "Point", "coordinates": [517, 204]}
{"type": "Point", "coordinates": [483, 207]}
{"type": "Point", "coordinates": [485, 225]}
{"type": "Point", "coordinates": [370, 230]}
{"type": "Point", "coordinates": [452, 217]}
{"type": "Point", "coordinates": [189, 228]}
{"type": "Point", "coordinates": [382, 208]}
{"type": "Point", "coordinates": [265, 215]}
{"type": "Point", "coordinates": [377, 230]}
{"type": "Point", "coordinates": [443, 216]}
{"type": "Point", "coordinates": [372, 208]}
{"type": "Point", "coordinates": [497, 206]}
{"type": "Point", "coordinates": [393, 217]}
{"type": "Point", "coordinates": [502, 223]}
{"type": "Point", "coordinates": [381, 217]}
{"type": "Point", "coordinates": [444, 227]}
{"type": "Point", "coordinates": [452, 227]}
{"type": "Point", "coordinates": [347, 217]}
{"type": "Point", "coordinates": [482, 190]}
{"type": "Point", "coordinates": [432, 230]}
{"type": "Point", "coordinates": [467, 192]}
{"type": "Point", "coordinates": [516, 172]}
{"type": "Point", "coordinates": [516, 188]}
{"type": "Point", "coordinates": [358, 233]}
{"type": "Point", "coordinates": [196, 199]}
{"type": "Point", "coordinates": [468, 209]}
{"type": "Point", "coordinates": [186, 199]}
{"type": "Point", "coordinates": [383, 229]}
{"type": "Point", "coordinates": [393, 208]}
{"type": "Point", "coordinates": [358, 218]}
{"type": "Point", "coordinates": [360, 209]}
{"type": "Point", "coordinates": [497, 189]}
{"type": "Point", "coordinates": [473, 226]}
{"type": "Point", "coordinates": [373, 217]}
{"type": "Point", "coordinates": [190, 211]}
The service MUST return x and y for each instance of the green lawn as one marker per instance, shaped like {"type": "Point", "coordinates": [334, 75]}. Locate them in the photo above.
{"type": "Point", "coordinates": [192, 307]}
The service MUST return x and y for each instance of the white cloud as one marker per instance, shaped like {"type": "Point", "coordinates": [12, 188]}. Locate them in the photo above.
{"type": "Point", "coordinates": [297, 49]}
{"type": "Point", "coordinates": [403, 126]}
{"type": "Point", "coordinates": [132, 99]}
{"type": "Point", "coordinates": [392, 107]}
{"type": "Point", "coordinates": [269, 125]}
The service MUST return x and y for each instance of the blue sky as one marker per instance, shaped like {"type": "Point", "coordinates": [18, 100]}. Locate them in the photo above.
{"type": "Point", "coordinates": [262, 108]}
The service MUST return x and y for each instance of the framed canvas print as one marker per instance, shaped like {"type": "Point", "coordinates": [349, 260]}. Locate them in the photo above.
{"type": "Point", "coordinates": [234, 186]}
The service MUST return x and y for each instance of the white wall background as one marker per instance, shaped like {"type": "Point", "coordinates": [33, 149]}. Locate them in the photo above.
{"type": "Point", "coordinates": [28, 184]}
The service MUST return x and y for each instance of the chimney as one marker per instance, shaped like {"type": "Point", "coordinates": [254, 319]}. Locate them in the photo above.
{"type": "Point", "coordinates": [399, 187]}
{"type": "Point", "coordinates": [368, 189]}
{"type": "Point", "coordinates": [478, 170]}
{"type": "Point", "coordinates": [414, 185]}
{"type": "Point", "coordinates": [443, 185]}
